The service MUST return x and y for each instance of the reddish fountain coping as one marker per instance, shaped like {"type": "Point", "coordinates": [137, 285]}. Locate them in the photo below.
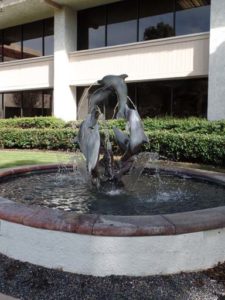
{"type": "Point", "coordinates": [106, 225]}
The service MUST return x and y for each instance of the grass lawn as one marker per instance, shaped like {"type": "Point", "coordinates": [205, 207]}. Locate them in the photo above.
{"type": "Point", "coordinates": [11, 158]}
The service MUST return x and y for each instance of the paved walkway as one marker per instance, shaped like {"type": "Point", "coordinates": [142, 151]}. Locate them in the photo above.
{"type": "Point", "coordinates": [4, 297]}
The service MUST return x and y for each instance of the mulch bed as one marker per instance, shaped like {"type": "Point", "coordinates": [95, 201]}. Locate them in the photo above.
{"type": "Point", "coordinates": [29, 282]}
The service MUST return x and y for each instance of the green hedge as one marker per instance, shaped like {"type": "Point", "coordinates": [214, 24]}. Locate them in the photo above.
{"type": "Point", "coordinates": [192, 147]}
{"type": "Point", "coordinates": [174, 125]}
{"type": "Point", "coordinates": [35, 122]}
{"type": "Point", "coordinates": [37, 138]}
{"type": "Point", "coordinates": [190, 125]}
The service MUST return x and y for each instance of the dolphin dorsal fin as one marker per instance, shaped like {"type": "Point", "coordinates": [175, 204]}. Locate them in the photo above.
{"type": "Point", "coordinates": [123, 76]}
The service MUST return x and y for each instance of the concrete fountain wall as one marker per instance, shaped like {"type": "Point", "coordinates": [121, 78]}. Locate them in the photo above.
{"type": "Point", "coordinates": [121, 245]}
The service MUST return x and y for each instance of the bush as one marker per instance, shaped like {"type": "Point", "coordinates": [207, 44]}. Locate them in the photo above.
{"type": "Point", "coordinates": [35, 122]}
{"type": "Point", "coordinates": [190, 125]}
{"type": "Point", "coordinates": [175, 125]}
{"type": "Point", "coordinates": [53, 139]}
{"type": "Point", "coordinates": [193, 140]}
{"type": "Point", "coordinates": [191, 147]}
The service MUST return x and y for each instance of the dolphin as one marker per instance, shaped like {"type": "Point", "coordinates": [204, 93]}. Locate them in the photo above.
{"type": "Point", "coordinates": [122, 139]}
{"type": "Point", "coordinates": [119, 86]}
{"type": "Point", "coordinates": [99, 96]}
{"type": "Point", "coordinates": [89, 139]}
{"type": "Point", "coordinates": [136, 129]}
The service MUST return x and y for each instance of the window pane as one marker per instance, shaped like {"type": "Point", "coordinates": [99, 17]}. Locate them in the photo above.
{"type": "Point", "coordinates": [192, 16]}
{"type": "Point", "coordinates": [1, 45]}
{"type": "Point", "coordinates": [132, 93]}
{"type": "Point", "coordinates": [1, 106]}
{"type": "Point", "coordinates": [190, 98]}
{"type": "Point", "coordinates": [122, 22]}
{"type": "Point", "coordinates": [12, 43]}
{"type": "Point", "coordinates": [156, 19]}
{"type": "Point", "coordinates": [32, 39]}
{"type": "Point", "coordinates": [91, 28]}
{"type": "Point", "coordinates": [47, 103]}
{"type": "Point", "coordinates": [154, 99]}
{"type": "Point", "coordinates": [12, 104]}
{"type": "Point", "coordinates": [32, 103]}
{"type": "Point", "coordinates": [49, 36]}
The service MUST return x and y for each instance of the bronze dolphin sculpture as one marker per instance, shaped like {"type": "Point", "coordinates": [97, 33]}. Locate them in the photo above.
{"type": "Point", "coordinates": [136, 130]}
{"type": "Point", "coordinates": [122, 139]}
{"type": "Point", "coordinates": [119, 86]}
{"type": "Point", "coordinates": [89, 139]}
{"type": "Point", "coordinates": [99, 96]}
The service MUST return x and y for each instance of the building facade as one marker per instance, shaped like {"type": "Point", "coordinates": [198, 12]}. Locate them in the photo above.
{"type": "Point", "coordinates": [172, 50]}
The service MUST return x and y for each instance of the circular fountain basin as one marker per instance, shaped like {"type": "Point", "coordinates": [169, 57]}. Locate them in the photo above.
{"type": "Point", "coordinates": [101, 245]}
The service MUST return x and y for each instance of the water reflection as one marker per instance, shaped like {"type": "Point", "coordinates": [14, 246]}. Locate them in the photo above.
{"type": "Point", "coordinates": [153, 194]}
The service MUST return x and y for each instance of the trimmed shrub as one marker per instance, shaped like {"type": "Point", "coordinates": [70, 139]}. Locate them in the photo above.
{"type": "Point", "coordinates": [191, 147]}
{"type": "Point", "coordinates": [193, 140]}
{"type": "Point", "coordinates": [37, 138]}
{"type": "Point", "coordinates": [35, 122]}
{"type": "Point", "coordinates": [190, 125]}
{"type": "Point", "coordinates": [174, 125]}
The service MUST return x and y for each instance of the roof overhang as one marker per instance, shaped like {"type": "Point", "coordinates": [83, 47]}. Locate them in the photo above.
{"type": "Point", "coordinates": [16, 12]}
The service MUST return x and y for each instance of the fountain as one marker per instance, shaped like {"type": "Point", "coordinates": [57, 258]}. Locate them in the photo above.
{"type": "Point", "coordinates": [134, 216]}
{"type": "Point", "coordinates": [89, 137]}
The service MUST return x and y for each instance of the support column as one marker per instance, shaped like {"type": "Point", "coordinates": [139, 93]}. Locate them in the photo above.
{"type": "Point", "coordinates": [216, 95]}
{"type": "Point", "coordinates": [65, 28]}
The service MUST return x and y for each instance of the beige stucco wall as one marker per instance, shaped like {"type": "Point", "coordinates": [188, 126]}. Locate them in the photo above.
{"type": "Point", "coordinates": [175, 57]}
{"type": "Point", "coordinates": [26, 74]}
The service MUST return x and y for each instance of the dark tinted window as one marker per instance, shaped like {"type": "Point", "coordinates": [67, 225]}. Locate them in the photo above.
{"type": "Point", "coordinates": [32, 103]}
{"type": "Point", "coordinates": [91, 24]}
{"type": "Point", "coordinates": [12, 43]}
{"type": "Point", "coordinates": [132, 20]}
{"type": "Point", "coordinates": [1, 106]}
{"type": "Point", "coordinates": [26, 104]}
{"type": "Point", "coordinates": [32, 40]}
{"type": "Point", "coordinates": [190, 98]}
{"type": "Point", "coordinates": [179, 98]}
{"type": "Point", "coordinates": [192, 16]}
{"type": "Point", "coordinates": [47, 103]}
{"type": "Point", "coordinates": [122, 22]}
{"type": "Point", "coordinates": [1, 45]}
{"type": "Point", "coordinates": [154, 99]}
{"type": "Point", "coordinates": [49, 36]}
{"type": "Point", "coordinates": [156, 19]}
{"type": "Point", "coordinates": [12, 104]}
{"type": "Point", "coordinates": [36, 39]}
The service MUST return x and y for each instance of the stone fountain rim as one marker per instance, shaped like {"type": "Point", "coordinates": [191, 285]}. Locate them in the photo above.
{"type": "Point", "coordinates": [107, 225]}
